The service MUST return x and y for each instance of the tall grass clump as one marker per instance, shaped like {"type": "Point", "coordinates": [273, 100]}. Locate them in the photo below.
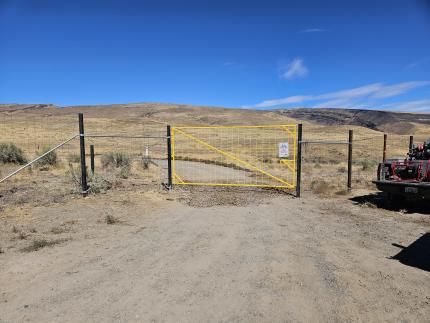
{"type": "Point", "coordinates": [10, 153]}
{"type": "Point", "coordinates": [50, 159]}
{"type": "Point", "coordinates": [145, 162]}
{"type": "Point", "coordinates": [96, 183]}
{"type": "Point", "coordinates": [119, 161]}
{"type": "Point", "coordinates": [116, 160]}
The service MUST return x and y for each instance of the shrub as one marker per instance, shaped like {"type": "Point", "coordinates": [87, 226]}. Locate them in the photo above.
{"type": "Point", "coordinates": [10, 153]}
{"type": "Point", "coordinates": [110, 219]}
{"type": "Point", "coordinates": [145, 161]}
{"type": "Point", "coordinates": [115, 159]}
{"type": "Point", "coordinates": [320, 187]}
{"type": "Point", "coordinates": [97, 183]}
{"type": "Point", "coordinates": [124, 172]}
{"type": "Point", "coordinates": [50, 159]}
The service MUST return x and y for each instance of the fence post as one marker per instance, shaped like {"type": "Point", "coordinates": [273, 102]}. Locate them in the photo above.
{"type": "Point", "coordinates": [350, 139]}
{"type": "Point", "coordinates": [384, 152]}
{"type": "Point", "coordinates": [299, 159]}
{"type": "Point", "coordinates": [169, 158]}
{"type": "Point", "coordinates": [92, 158]}
{"type": "Point", "coordinates": [83, 165]}
{"type": "Point", "coordinates": [411, 142]}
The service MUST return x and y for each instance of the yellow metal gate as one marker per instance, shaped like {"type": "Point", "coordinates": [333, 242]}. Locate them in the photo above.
{"type": "Point", "coordinates": [259, 156]}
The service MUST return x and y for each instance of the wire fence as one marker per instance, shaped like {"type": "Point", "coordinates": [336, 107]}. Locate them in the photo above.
{"type": "Point", "coordinates": [325, 156]}
{"type": "Point", "coordinates": [130, 156]}
{"type": "Point", "coordinates": [129, 153]}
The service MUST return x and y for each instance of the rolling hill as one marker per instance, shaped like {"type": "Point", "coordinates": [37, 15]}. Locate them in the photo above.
{"type": "Point", "coordinates": [386, 121]}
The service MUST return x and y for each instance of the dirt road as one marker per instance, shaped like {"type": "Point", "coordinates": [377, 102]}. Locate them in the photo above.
{"type": "Point", "coordinates": [274, 259]}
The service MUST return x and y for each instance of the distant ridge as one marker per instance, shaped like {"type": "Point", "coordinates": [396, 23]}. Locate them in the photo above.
{"type": "Point", "coordinates": [179, 114]}
{"type": "Point", "coordinates": [397, 122]}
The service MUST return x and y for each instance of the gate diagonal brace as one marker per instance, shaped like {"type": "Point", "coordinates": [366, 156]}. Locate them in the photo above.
{"type": "Point", "coordinates": [288, 164]}
{"type": "Point", "coordinates": [235, 158]}
{"type": "Point", "coordinates": [177, 176]}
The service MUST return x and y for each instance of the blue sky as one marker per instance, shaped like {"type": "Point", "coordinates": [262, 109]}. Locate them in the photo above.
{"type": "Point", "coordinates": [256, 54]}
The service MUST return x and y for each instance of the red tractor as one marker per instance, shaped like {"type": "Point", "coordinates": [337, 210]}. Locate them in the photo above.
{"type": "Point", "coordinates": [407, 178]}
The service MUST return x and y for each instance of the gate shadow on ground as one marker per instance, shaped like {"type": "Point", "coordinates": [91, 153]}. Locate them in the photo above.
{"type": "Point", "coordinates": [417, 254]}
{"type": "Point", "coordinates": [382, 201]}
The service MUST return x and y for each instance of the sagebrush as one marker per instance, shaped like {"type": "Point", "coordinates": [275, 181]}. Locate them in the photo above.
{"type": "Point", "coordinates": [115, 159]}
{"type": "Point", "coordinates": [10, 153]}
{"type": "Point", "coordinates": [50, 159]}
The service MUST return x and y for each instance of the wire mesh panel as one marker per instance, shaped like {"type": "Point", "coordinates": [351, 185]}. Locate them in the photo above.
{"type": "Point", "coordinates": [324, 158]}
{"type": "Point", "coordinates": [27, 133]}
{"type": "Point", "coordinates": [368, 152]}
{"type": "Point", "coordinates": [398, 146]}
{"type": "Point", "coordinates": [258, 156]}
{"type": "Point", "coordinates": [35, 132]}
{"type": "Point", "coordinates": [141, 159]}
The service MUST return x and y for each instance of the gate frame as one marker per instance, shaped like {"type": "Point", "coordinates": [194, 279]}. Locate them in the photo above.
{"type": "Point", "coordinates": [288, 162]}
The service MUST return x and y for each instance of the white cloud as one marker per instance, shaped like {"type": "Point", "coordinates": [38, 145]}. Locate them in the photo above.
{"type": "Point", "coordinates": [352, 93]}
{"type": "Point", "coordinates": [312, 30]}
{"type": "Point", "coordinates": [289, 100]}
{"type": "Point", "coordinates": [295, 69]}
{"type": "Point", "coordinates": [359, 97]}
{"type": "Point", "coordinates": [397, 89]}
{"type": "Point", "coordinates": [409, 106]}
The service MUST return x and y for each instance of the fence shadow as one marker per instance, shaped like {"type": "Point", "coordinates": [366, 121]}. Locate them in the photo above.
{"type": "Point", "coordinates": [417, 254]}
{"type": "Point", "coordinates": [381, 200]}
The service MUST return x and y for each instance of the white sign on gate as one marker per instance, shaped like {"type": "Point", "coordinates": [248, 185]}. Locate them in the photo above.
{"type": "Point", "coordinates": [283, 150]}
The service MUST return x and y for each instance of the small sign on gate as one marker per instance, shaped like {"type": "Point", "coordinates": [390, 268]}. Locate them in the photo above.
{"type": "Point", "coordinates": [283, 150]}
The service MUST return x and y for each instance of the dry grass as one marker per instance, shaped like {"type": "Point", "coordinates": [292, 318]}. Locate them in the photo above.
{"type": "Point", "coordinates": [59, 230]}
{"type": "Point", "coordinates": [32, 129]}
{"type": "Point", "coordinates": [38, 244]}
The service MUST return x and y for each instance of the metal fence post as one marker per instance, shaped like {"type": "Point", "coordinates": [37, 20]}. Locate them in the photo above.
{"type": "Point", "coordinates": [92, 158]}
{"type": "Point", "coordinates": [411, 142]}
{"type": "Point", "coordinates": [169, 158]}
{"type": "Point", "coordinates": [83, 164]}
{"type": "Point", "coordinates": [384, 152]}
{"type": "Point", "coordinates": [299, 159]}
{"type": "Point", "coordinates": [350, 139]}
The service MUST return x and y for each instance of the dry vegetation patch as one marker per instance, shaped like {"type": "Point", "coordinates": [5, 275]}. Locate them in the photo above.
{"type": "Point", "coordinates": [10, 153]}
{"type": "Point", "coordinates": [38, 244]}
